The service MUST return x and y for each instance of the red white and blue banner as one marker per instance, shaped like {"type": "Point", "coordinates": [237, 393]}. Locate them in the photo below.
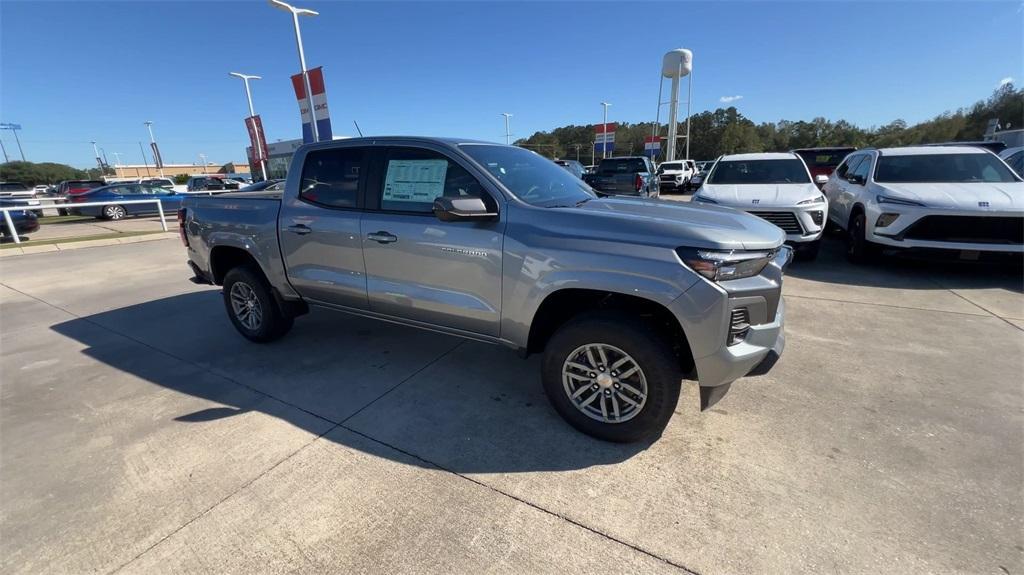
{"type": "Point", "coordinates": [604, 137]}
{"type": "Point", "coordinates": [256, 138]}
{"type": "Point", "coordinates": [652, 145]}
{"type": "Point", "coordinates": [320, 111]}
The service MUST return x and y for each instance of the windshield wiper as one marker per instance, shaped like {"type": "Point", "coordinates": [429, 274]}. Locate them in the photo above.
{"type": "Point", "coordinates": [583, 201]}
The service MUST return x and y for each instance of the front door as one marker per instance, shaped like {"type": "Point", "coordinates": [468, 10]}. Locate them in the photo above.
{"type": "Point", "coordinates": [419, 268]}
{"type": "Point", "coordinates": [319, 228]}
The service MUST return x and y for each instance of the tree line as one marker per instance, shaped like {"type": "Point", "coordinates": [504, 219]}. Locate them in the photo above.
{"type": "Point", "coordinates": [33, 174]}
{"type": "Point", "coordinates": [727, 131]}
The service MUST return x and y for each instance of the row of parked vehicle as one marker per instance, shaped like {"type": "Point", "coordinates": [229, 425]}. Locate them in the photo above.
{"type": "Point", "coordinates": [936, 197]}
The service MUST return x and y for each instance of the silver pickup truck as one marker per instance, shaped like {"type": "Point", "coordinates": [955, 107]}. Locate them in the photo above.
{"type": "Point", "coordinates": [623, 296]}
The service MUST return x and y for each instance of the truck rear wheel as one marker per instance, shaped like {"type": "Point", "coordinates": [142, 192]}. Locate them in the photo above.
{"type": "Point", "coordinates": [252, 307]}
{"type": "Point", "coordinates": [611, 376]}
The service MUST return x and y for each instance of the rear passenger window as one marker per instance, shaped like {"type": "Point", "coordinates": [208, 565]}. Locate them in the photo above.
{"type": "Point", "coordinates": [862, 168]}
{"type": "Point", "coordinates": [414, 178]}
{"type": "Point", "coordinates": [331, 177]}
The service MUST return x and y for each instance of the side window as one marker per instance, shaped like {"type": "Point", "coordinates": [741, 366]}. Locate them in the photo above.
{"type": "Point", "coordinates": [414, 178]}
{"type": "Point", "coordinates": [331, 177]}
{"type": "Point", "coordinates": [1016, 161]}
{"type": "Point", "coordinates": [863, 168]}
{"type": "Point", "coordinates": [848, 164]}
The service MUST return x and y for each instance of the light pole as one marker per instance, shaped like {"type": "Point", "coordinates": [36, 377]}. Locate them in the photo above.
{"type": "Point", "coordinates": [144, 161]}
{"type": "Point", "coordinates": [6, 159]}
{"type": "Point", "coordinates": [117, 162]}
{"type": "Point", "coordinates": [508, 135]}
{"type": "Point", "coordinates": [258, 152]}
{"type": "Point", "coordinates": [296, 12]}
{"type": "Point", "coordinates": [202, 157]}
{"type": "Point", "coordinates": [152, 142]}
{"type": "Point", "coordinates": [604, 133]}
{"type": "Point", "coordinates": [96, 154]}
{"type": "Point", "coordinates": [14, 128]}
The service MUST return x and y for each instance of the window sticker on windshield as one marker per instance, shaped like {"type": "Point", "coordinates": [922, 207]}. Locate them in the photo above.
{"type": "Point", "coordinates": [415, 180]}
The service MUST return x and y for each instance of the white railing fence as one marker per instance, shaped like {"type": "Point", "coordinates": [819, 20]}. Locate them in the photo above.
{"type": "Point", "coordinates": [9, 221]}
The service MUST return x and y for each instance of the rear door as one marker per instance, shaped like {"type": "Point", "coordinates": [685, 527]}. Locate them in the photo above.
{"type": "Point", "coordinates": [423, 269]}
{"type": "Point", "coordinates": [838, 190]}
{"type": "Point", "coordinates": [319, 227]}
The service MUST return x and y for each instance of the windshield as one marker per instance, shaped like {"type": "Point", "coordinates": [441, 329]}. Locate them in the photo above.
{"type": "Point", "coordinates": [938, 168]}
{"type": "Point", "coordinates": [13, 187]}
{"type": "Point", "coordinates": [532, 178]}
{"type": "Point", "coordinates": [760, 172]}
{"type": "Point", "coordinates": [675, 166]}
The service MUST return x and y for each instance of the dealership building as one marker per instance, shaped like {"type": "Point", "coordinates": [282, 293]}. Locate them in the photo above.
{"type": "Point", "coordinates": [279, 156]}
{"type": "Point", "coordinates": [171, 170]}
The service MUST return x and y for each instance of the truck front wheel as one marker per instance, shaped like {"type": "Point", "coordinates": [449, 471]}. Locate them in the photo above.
{"type": "Point", "coordinates": [612, 376]}
{"type": "Point", "coordinates": [252, 307]}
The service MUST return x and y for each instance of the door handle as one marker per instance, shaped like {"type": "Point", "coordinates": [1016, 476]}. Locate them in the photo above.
{"type": "Point", "coordinates": [382, 237]}
{"type": "Point", "coordinates": [300, 229]}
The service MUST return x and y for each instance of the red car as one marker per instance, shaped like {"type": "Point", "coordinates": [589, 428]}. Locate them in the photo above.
{"type": "Point", "coordinates": [823, 161]}
{"type": "Point", "coordinates": [76, 187]}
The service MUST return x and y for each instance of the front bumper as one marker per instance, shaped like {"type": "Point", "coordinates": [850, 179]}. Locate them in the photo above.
{"type": "Point", "coordinates": [899, 234]}
{"type": "Point", "coordinates": [705, 310]}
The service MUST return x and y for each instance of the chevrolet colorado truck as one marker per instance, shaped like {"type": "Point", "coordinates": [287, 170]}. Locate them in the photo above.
{"type": "Point", "coordinates": [625, 176]}
{"type": "Point", "coordinates": [623, 296]}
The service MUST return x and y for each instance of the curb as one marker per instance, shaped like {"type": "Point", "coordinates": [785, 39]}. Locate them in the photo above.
{"type": "Point", "coordinates": [64, 246]}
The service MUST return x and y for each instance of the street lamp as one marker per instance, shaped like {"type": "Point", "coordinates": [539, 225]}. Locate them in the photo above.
{"type": "Point", "coordinates": [604, 133]}
{"type": "Point", "coordinates": [296, 12]}
{"type": "Point", "coordinates": [117, 163]}
{"type": "Point", "coordinates": [508, 135]}
{"type": "Point", "coordinates": [96, 154]}
{"type": "Point", "coordinates": [14, 128]}
{"type": "Point", "coordinates": [156, 153]}
{"type": "Point", "coordinates": [258, 152]}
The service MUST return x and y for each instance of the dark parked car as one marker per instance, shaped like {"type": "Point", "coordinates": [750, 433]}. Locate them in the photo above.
{"type": "Point", "coordinates": [575, 168]}
{"type": "Point", "coordinates": [169, 199]}
{"type": "Point", "coordinates": [207, 184]}
{"type": "Point", "coordinates": [625, 176]}
{"type": "Point", "coordinates": [264, 186]}
{"type": "Point", "coordinates": [25, 221]}
{"type": "Point", "coordinates": [823, 161]}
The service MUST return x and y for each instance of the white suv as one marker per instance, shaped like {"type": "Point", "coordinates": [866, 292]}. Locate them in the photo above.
{"type": "Point", "coordinates": [951, 198]}
{"type": "Point", "coordinates": [776, 187]}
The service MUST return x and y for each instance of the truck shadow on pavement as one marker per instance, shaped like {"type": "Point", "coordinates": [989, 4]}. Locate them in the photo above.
{"type": "Point", "coordinates": [463, 406]}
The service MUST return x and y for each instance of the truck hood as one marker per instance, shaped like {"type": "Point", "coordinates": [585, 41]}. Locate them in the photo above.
{"type": "Point", "coordinates": [766, 195]}
{"type": "Point", "coordinates": [965, 196]}
{"type": "Point", "coordinates": [671, 224]}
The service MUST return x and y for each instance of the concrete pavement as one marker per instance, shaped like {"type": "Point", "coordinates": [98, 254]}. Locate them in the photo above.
{"type": "Point", "coordinates": [139, 432]}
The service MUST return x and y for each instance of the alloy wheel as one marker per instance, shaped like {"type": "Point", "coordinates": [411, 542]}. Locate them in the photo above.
{"type": "Point", "coordinates": [604, 383]}
{"type": "Point", "coordinates": [246, 306]}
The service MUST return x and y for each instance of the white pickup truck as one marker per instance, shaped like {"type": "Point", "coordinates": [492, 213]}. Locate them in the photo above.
{"type": "Point", "coordinates": [673, 176]}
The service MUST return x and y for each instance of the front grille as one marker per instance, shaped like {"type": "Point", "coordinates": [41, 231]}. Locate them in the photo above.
{"type": "Point", "coordinates": [967, 229]}
{"type": "Point", "coordinates": [668, 179]}
{"type": "Point", "coordinates": [785, 220]}
{"type": "Point", "coordinates": [739, 325]}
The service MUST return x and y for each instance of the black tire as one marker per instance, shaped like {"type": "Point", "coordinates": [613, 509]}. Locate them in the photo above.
{"type": "Point", "coordinates": [653, 355]}
{"type": "Point", "coordinates": [272, 324]}
{"type": "Point", "coordinates": [858, 249]}
{"type": "Point", "coordinates": [808, 252]}
{"type": "Point", "coordinates": [114, 212]}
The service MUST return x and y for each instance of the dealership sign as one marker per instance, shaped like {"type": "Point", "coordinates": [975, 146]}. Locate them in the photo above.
{"type": "Point", "coordinates": [604, 137]}
{"type": "Point", "coordinates": [320, 111]}
{"type": "Point", "coordinates": [652, 145]}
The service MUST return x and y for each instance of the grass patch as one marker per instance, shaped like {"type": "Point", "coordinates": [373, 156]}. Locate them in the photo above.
{"type": "Point", "coordinates": [65, 219]}
{"type": "Point", "coordinates": [8, 244]}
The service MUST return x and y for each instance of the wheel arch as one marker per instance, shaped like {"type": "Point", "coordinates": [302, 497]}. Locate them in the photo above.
{"type": "Point", "coordinates": [563, 305]}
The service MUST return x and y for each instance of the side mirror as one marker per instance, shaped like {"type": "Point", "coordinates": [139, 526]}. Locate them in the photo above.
{"type": "Point", "coordinates": [457, 209]}
{"type": "Point", "coordinates": [856, 179]}
{"type": "Point", "coordinates": [697, 181]}
{"type": "Point", "coordinates": [821, 179]}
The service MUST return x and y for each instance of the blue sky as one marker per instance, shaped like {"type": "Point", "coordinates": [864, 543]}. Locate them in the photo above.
{"type": "Point", "coordinates": [75, 72]}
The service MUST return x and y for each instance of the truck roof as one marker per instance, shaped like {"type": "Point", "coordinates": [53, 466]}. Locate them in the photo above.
{"type": "Point", "coordinates": [761, 156]}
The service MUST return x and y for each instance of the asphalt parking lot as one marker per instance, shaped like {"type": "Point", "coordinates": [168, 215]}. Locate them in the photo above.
{"type": "Point", "coordinates": [140, 433]}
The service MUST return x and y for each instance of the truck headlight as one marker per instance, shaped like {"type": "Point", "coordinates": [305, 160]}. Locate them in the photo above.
{"type": "Point", "coordinates": [898, 201]}
{"type": "Point", "coordinates": [725, 265]}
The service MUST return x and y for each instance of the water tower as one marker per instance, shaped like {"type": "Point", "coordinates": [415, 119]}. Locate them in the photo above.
{"type": "Point", "coordinates": [675, 65]}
